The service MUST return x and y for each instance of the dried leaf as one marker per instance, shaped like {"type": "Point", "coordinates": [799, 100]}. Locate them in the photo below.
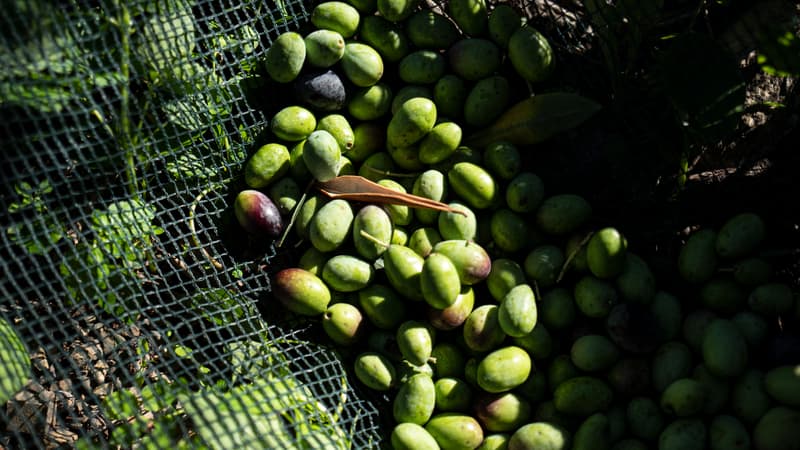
{"type": "Point", "coordinates": [360, 189]}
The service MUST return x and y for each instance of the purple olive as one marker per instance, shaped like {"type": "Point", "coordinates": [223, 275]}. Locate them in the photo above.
{"type": "Point", "coordinates": [454, 315]}
{"type": "Point", "coordinates": [501, 412]}
{"type": "Point", "coordinates": [321, 90]}
{"type": "Point", "coordinates": [257, 214]}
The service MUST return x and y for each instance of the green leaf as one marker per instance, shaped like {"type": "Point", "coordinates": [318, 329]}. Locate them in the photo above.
{"type": "Point", "coordinates": [182, 351]}
{"type": "Point", "coordinates": [163, 435]}
{"type": "Point", "coordinates": [189, 166]}
{"type": "Point", "coordinates": [779, 53]}
{"type": "Point", "coordinates": [104, 79]}
{"type": "Point", "coordinates": [276, 388]}
{"type": "Point", "coordinates": [121, 228]}
{"type": "Point", "coordinates": [36, 240]}
{"type": "Point", "coordinates": [159, 396]}
{"type": "Point", "coordinates": [127, 432]}
{"type": "Point", "coordinates": [185, 78]}
{"type": "Point", "coordinates": [247, 40]}
{"type": "Point", "coordinates": [89, 275]}
{"type": "Point", "coordinates": [49, 52]}
{"type": "Point", "coordinates": [250, 359]}
{"type": "Point", "coordinates": [242, 41]}
{"type": "Point", "coordinates": [236, 420]}
{"type": "Point", "coordinates": [15, 364]}
{"type": "Point", "coordinates": [120, 405]}
{"type": "Point", "coordinates": [221, 308]}
{"type": "Point", "coordinates": [536, 119]}
{"type": "Point", "coordinates": [42, 95]}
{"type": "Point", "coordinates": [704, 84]}
{"type": "Point", "coordinates": [45, 187]}
{"type": "Point", "coordinates": [23, 188]}
{"type": "Point", "coordinates": [166, 39]}
{"type": "Point", "coordinates": [190, 113]}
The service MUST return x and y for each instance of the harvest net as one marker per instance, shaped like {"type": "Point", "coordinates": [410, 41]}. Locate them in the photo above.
{"type": "Point", "coordinates": [144, 321]}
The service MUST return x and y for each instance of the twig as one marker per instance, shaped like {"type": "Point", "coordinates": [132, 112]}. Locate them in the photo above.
{"type": "Point", "coordinates": [295, 213]}
{"type": "Point", "coordinates": [124, 23]}
{"type": "Point", "coordinates": [572, 256]}
{"type": "Point", "coordinates": [195, 239]}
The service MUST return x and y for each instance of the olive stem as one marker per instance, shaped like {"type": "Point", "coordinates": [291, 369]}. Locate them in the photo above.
{"type": "Point", "coordinates": [372, 238]}
{"type": "Point", "coordinates": [294, 214]}
{"type": "Point", "coordinates": [124, 24]}
{"type": "Point", "coordinates": [536, 292]}
{"type": "Point", "coordinates": [193, 230]}
{"type": "Point", "coordinates": [572, 256]}
{"type": "Point", "coordinates": [336, 415]}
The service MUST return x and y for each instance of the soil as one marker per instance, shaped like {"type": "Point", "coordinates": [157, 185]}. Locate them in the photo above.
{"type": "Point", "coordinates": [88, 357]}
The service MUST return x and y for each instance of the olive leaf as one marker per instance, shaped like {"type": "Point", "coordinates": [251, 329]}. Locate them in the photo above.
{"type": "Point", "coordinates": [40, 236]}
{"type": "Point", "coordinates": [242, 40]}
{"type": "Point", "coordinates": [536, 119]}
{"type": "Point", "coordinates": [221, 307]}
{"type": "Point", "coordinates": [42, 95]}
{"type": "Point", "coordinates": [103, 266]}
{"type": "Point", "coordinates": [359, 189]}
{"type": "Point", "coordinates": [124, 228]}
{"type": "Point", "coordinates": [36, 239]}
{"type": "Point", "coordinates": [190, 113]}
{"type": "Point", "coordinates": [188, 166]}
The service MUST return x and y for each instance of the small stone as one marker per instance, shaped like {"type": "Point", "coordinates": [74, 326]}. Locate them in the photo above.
{"type": "Point", "coordinates": [39, 361]}
{"type": "Point", "coordinates": [65, 384]}
{"type": "Point", "coordinates": [27, 417]}
{"type": "Point", "coordinates": [23, 396]}
{"type": "Point", "coordinates": [46, 396]}
{"type": "Point", "coordinates": [79, 358]}
{"type": "Point", "coordinates": [85, 383]}
{"type": "Point", "coordinates": [109, 344]}
{"type": "Point", "coordinates": [94, 350]}
{"type": "Point", "coordinates": [100, 372]}
{"type": "Point", "coordinates": [97, 423]}
{"type": "Point", "coordinates": [102, 390]}
{"type": "Point", "coordinates": [62, 436]}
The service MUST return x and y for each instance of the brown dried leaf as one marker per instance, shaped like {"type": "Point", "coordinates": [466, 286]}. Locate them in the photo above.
{"type": "Point", "coordinates": [360, 189]}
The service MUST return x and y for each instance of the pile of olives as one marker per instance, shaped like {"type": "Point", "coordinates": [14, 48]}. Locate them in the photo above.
{"type": "Point", "coordinates": [511, 320]}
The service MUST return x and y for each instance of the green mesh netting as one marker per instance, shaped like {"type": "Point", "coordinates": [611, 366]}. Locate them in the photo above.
{"type": "Point", "coordinates": [125, 124]}
{"type": "Point", "coordinates": [124, 127]}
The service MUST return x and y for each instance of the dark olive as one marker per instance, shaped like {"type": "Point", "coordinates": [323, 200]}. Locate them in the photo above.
{"type": "Point", "coordinates": [322, 91]}
{"type": "Point", "coordinates": [257, 214]}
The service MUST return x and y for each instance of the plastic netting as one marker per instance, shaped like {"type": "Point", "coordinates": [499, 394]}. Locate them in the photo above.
{"type": "Point", "coordinates": [124, 126]}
